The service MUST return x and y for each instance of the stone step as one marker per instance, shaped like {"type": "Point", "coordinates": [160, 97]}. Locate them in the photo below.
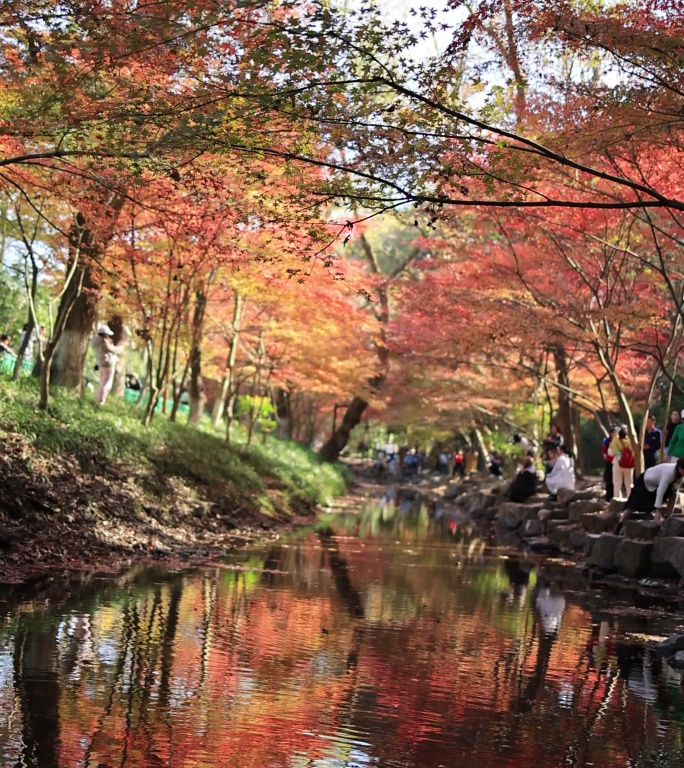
{"type": "Point", "coordinates": [584, 506]}
{"type": "Point", "coordinates": [633, 558]}
{"type": "Point", "coordinates": [578, 539]}
{"type": "Point", "coordinates": [534, 528]}
{"type": "Point", "coordinates": [601, 550]}
{"type": "Point", "coordinates": [512, 515]}
{"type": "Point", "coordinates": [546, 515]}
{"type": "Point", "coordinates": [567, 497]}
{"type": "Point", "coordinates": [599, 522]}
{"type": "Point", "coordinates": [559, 533]}
{"type": "Point", "coordinates": [647, 530]}
{"type": "Point", "coordinates": [616, 506]}
{"type": "Point", "coordinates": [668, 557]}
{"type": "Point", "coordinates": [673, 526]}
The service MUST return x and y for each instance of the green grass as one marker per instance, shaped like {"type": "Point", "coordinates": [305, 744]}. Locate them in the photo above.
{"type": "Point", "coordinates": [270, 476]}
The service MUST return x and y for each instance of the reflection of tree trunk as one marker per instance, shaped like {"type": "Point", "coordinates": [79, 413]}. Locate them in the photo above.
{"type": "Point", "coordinates": [167, 644]}
{"type": "Point", "coordinates": [273, 562]}
{"type": "Point", "coordinates": [37, 688]}
{"type": "Point", "coordinates": [350, 596]}
{"type": "Point", "coordinates": [116, 685]}
{"type": "Point", "coordinates": [209, 590]}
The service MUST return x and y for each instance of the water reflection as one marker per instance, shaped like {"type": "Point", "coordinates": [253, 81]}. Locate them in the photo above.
{"type": "Point", "coordinates": [390, 638]}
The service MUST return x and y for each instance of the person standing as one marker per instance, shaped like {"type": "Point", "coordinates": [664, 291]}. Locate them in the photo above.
{"type": "Point", "coordinates": [608, 462]}
{"type": "Point", "coordinates": [672, 424]}
{"type": "Point", "coordinates": [459, 464]}
{"type": "Point", "coordinates": [623, 462]}
{"type": "Point", "coordinates": [652, 441]}
{"type": "Point", "coordinates": [107, 356]}
{"type": "Point", "coordinates": [28, 347]}
{"type": "Point", "coordinates": [675, 449]}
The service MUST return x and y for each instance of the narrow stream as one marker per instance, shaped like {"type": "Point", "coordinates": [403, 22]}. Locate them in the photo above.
{"type": "Point", "coordinates": [385, 638]}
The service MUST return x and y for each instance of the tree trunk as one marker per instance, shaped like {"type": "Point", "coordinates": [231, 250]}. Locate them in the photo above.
{"type": "Point", "coordinates": [220, 402]}
{"type": "Point", "coordinates": [340, 437]}
{"type": "Point", "coordinates": [478, 442]}
{"type": "Point", "coordinates": [230, 413]}
{"type": "Point", "coordinates": [195, 388]}
{"type": "Point", "coordinates": [310, 427]}
{"type": "Point", "coordinates": [71, 293]}
{"type": "Point", "coordinates": [668, 406]}
{"type": "Point", "coordinates": [22, 348]}
{"type": "Point", "coordinates": [283, 411]}
{"type": "Point", "coordinates": [72, 343]}
{"type": "Point", "coordinates": [566, 418]}
{"type": "Point", "coordinates": [69, 358]}
{"type": "Point", "coordinates": [338, 440]}
{"type": "Point", "coordinates": [227, 381]}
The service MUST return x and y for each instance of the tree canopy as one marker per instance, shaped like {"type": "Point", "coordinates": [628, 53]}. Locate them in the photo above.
{"type": "Point", "coordinates": [439, 217]}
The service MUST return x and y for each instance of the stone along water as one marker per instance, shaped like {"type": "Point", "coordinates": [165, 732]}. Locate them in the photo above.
{"type": "Point", "coordinates": [388, 638]}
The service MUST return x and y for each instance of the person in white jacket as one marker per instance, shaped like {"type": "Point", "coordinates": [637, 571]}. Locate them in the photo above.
{"type": "Point", "coordinates": [106, 355]}
{"type": "Point", "coordinates": [652, 490]}
{"type": "Point", "coordinates": [562, 474]}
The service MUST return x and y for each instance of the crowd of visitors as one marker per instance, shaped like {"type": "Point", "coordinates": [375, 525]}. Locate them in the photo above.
{"type": "Point", "coordinates": [653, 492]}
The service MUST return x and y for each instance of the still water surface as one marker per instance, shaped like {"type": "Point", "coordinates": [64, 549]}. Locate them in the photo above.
{"type": "Point", "coordinates": [388, 638]}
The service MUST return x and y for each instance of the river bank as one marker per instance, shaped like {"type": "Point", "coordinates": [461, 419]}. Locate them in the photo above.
{"type": "Point", "coordinates": [90, 489]}
{"type": "Point", "coordinates": [572, 540]}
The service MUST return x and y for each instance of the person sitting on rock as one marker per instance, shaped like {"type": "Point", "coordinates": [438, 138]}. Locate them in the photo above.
{"type": "Point", "coordinates": [562, 474]}
{"type": "Point", "coordinates": [653, 490]}
{"type": "Point", "coordinates": [495, 464]}
{"type": "Point", "coordinates": [524, 484]}
{"type": "Point", "coordinates": [552, 442]}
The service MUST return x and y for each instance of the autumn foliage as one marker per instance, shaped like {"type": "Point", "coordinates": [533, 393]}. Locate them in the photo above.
{"type": "Point", "coordinates": [211, 177]}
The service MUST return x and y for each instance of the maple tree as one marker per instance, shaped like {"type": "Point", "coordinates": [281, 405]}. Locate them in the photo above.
{"type": "Point", "coordinates": [243, 141]}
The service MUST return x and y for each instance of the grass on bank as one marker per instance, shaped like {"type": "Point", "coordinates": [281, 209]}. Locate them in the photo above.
{"type": "Point", "coordinates": [267, 474]}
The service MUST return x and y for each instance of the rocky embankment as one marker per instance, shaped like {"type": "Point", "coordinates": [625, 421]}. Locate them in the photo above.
{"type": "Point", "coordinates": [579, 523]}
